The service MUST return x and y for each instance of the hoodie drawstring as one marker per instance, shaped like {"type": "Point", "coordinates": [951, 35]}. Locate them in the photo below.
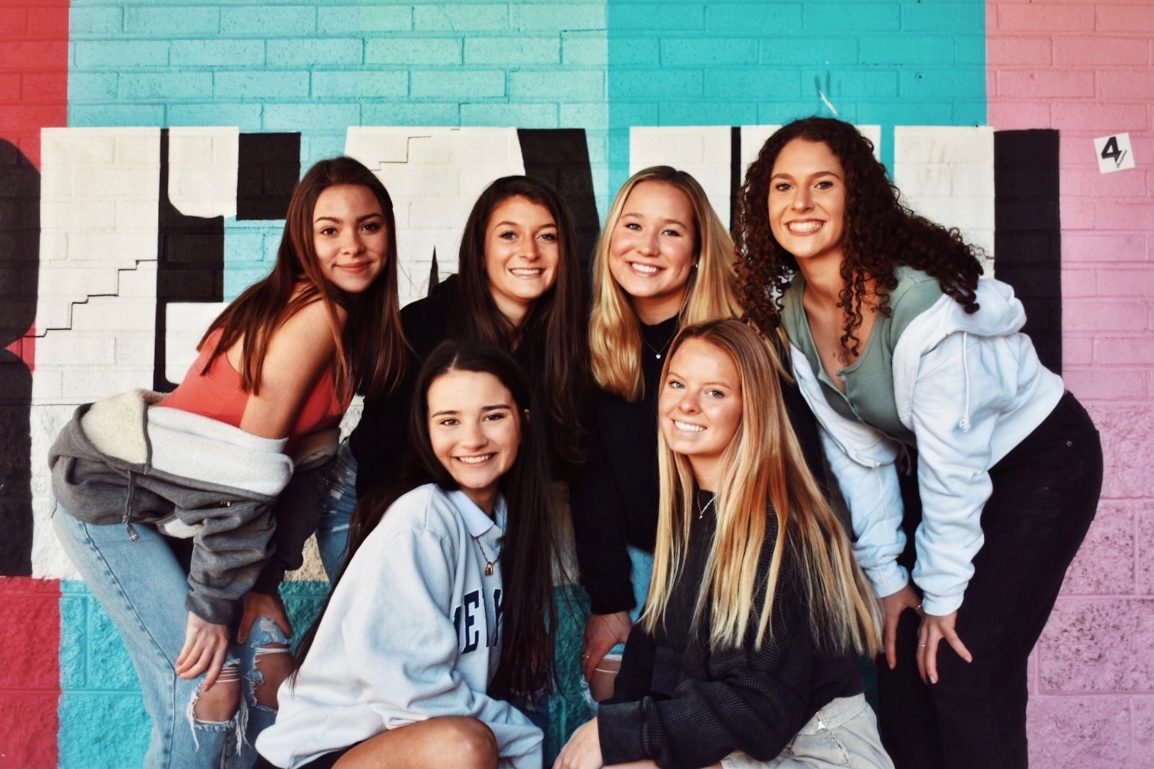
{"type": "Point", "coordinates": [964, 422]}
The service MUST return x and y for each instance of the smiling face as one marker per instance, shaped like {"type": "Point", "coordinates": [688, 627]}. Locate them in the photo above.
{"type": "Point", "coordinates": [521, 255]}
{"type": "Point", "coordinates": [350, 236]}
{"type": "Point", "coordinates": [807, 198]}
{"type": "Point", "coordinates": [652, 249]}
{"type": "Point", "coordinates": [700, 407]}
{"type": "Point", "coordinates": [474, 431]}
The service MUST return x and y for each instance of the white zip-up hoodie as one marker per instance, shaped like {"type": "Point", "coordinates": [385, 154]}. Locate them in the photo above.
{"type": "Point", "coordinates": [411, 632]}
{"type": "Point", "coordinates": [970, 388]}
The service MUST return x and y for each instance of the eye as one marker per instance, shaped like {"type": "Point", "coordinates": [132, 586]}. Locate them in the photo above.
{"type": "Point", "coordinates": [448, 422]}
{"type": "Point", "coordinates": [672, 233]}
{"type": "Point", "coordinates": [495, 416]}
{"type": "Point", "coordinates": [781, 187]}
{"type": "Point", "coordinates": [371, 227]}
{"type": "Point", "coordinates": [713, 392]}
{"type": "Point", "coordinates": [549, 237]}
{"type": "Point", "coordinates": [632, 226]}
{"type": "Point", "coordinates": [507, 235]}
{"type": "Point", "coordinates": [328, 232]}
{"type": "Point", "coordinates": [824, 184]}
{"type": "Point", "coordinates": [676, 385]}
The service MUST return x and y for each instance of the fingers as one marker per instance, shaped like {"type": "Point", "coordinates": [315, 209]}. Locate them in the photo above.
{"type": "Point", "coordinates": [214, 668]}
{"type": "Point", "coordinates": [592, 656]}
{"type": "Point", "coordinates": [956, 644]}
{"type": "Point", "coordinates": [889, 636]}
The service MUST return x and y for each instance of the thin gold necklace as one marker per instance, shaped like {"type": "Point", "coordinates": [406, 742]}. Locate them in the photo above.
{"type": "Point", "coordinates": [709, 504]}
{"type": "Point", "coordinates": [489, 562]}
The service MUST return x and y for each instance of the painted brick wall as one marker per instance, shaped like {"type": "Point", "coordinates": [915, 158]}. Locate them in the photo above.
{"type": "Point", "coordinates": [1085, 69]}
{"type": "Point", "coordinates": [344, 75]}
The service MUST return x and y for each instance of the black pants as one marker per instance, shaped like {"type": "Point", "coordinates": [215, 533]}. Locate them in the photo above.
{"type": "Point", "coordinates": [1045, 493]}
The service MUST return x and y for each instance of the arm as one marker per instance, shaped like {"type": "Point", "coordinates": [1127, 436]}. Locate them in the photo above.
{"type": "Point", "coordinates": [602, 556]}
{"type": "Point", "coordinates": [752, 700]}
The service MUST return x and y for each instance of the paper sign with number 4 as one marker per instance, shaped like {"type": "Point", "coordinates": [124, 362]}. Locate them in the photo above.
{"type": "Point", "coordinates": [1114, 153]}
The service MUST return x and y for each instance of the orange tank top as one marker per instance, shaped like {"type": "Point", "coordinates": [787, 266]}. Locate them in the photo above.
{"type": "Point", "coordinates": [217, 394]}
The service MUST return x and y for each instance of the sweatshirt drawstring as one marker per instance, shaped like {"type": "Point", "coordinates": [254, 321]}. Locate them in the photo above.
{"type": "Point", "coordinates": [127, 519]}
{"type": "Point", "coordinates": [964, 422]}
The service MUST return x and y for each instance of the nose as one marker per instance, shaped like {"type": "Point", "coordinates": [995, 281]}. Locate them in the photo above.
{"type": "Point", "coordinates": [530, 250]}
{"type": "Point", "coordinates": [352, 243]}
{"type": "Point", "coordinates": [801, 199]}
{"type": "Point", "coordinates": [474, 436]}
{"type": "Point", "coordinates": [688, 403]}
{"type": "Point", "coordinates": [647, 244]}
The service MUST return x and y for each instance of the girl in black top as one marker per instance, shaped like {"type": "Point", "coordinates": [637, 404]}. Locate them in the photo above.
{"type": "Point", "coordinates": [518, 287]}
{"type": "Point", "coordinates": [663, 260]}
{"type": "Point", "coordinates": [746, 652]}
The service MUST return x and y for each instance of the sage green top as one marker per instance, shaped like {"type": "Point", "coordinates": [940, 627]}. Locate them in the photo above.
{"type": "Point", "coordinates": [869, 381]}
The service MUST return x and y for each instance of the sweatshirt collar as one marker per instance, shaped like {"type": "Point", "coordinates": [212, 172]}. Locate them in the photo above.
{"type": "Point", "coordinates": [476, 521]}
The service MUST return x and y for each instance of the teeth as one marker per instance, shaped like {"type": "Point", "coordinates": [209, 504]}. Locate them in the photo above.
{"type": "Point", "coordinates": [475, 460]}
{"type": "Point", "coordinates": [805, 228]}
{"type": "Point", "coordinates": [687, 427]}
{"type": "Point", "coordinates": [527, 272]}
{"type": "Point", "coordinates": [644, 269]}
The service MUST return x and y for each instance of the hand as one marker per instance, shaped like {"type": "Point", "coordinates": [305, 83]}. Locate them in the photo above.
{"type": "Point", "coordinates": [602, 633]}
{"type": "Point", "coordinates": [893, 605]}
{"type": "Point", "coordinates": [258, 605]}
{"type": "Point", "coordinates": [934, 628]}
{"type": "Point", "coordinates": [205, 648]}
{"type": "Point", "coordinates": [583, 750]}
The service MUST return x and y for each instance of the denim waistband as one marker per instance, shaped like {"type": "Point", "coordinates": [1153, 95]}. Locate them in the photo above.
{"type": "Point", "coordinates": [835, 713]}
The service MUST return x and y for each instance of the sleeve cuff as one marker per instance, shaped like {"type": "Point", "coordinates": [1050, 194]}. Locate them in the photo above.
{"type": "Point", "coordinates": [888, 579]}
{"type": "Point", "coordinates": [941, 605]}
{"type": "Point", "coordinates": [619, 729]}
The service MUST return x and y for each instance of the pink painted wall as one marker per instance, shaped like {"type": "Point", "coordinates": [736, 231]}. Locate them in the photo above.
{"type": "Point", "coordinates": [1085, 69]}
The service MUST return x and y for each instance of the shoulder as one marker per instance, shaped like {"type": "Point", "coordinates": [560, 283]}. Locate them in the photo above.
{"type": "Point", "coordinates": [915, 293]}
{"type": "Point", "coordinates": [426, 508]}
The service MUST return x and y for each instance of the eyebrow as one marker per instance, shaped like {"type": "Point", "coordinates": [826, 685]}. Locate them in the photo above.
{"type": "Point", "coordinates": [783, 175]}
{"type": "Point", "coordinates": [663, 221]}
{"type": "Point", "coordinates": [338, 219]}
{"type": "Point", "coordinates": [674, 375]}
{"type": "Point", "coordinates": [519, 224]}
{"type": "Point", "coordinates": [484, 410]}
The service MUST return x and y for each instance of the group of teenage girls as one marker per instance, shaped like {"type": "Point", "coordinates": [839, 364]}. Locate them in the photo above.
{"type": "Point", "coordinates": [704, 409]}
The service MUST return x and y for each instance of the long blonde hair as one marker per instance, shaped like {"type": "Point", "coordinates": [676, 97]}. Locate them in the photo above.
{"type": "Point", "coordinates": [614, 329]}
{"type": "Point", "coordinates": [763, 473]}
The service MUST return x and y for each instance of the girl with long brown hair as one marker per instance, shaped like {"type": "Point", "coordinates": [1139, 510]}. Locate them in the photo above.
{"type": "Point", "coordinates": [182, 512]}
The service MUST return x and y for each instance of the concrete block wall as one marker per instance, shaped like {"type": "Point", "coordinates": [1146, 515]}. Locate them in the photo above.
{"type": "Point", "coordinates": [1085, 70]}
{"type": "Point", "coordinates": [435, 97]}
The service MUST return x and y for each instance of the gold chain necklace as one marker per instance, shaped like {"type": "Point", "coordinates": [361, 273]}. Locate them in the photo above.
{"type": "Point", "coordinates": [489, 562]}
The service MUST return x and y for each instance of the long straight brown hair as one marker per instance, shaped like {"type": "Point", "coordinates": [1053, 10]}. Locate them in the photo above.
{"type": "Point", "coordinates": [371, 347]}
{"type": "Point", "coordinates": [528, 548]}
{"type": "Point", "coordinates": [553, 331]}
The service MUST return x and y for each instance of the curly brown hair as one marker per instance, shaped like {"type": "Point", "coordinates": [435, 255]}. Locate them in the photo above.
{"type": "Point", "coordinates": [881, 233]}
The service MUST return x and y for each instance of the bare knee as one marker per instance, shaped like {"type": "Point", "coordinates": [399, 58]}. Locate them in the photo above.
{"type": "Point", "coordinates": [470, 744]}
{"type": "Point", "coordinates": [220, 703]}
{"type": "Point", "coordinates": [274, 664]}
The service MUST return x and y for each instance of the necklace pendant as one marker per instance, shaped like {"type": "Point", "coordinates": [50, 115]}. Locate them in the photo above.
{"type": "Point", "coordinates": [658, 356]}
{"type": "Point", "coordinates": [488, 568]}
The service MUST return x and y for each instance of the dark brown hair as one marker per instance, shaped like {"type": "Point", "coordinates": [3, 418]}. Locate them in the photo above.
{"type": "Point", "coordinates": [370, 350]}
{"type": "Point", "coordinates": [881, 233]}
{"type": "Point", "coordinates": [553, 332]}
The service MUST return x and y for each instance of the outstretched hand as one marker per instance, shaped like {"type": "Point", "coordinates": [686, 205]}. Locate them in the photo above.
{"type": "Point", "coordinates": [893, 606]}
{"type": "Point", "coordinates": [934, 628]}
{"type": "Point", "coordinates": [583, 750]}
{"type": "Point", "coordinates": [205, 649]}
{"type": "Point", "coordinates": [602, 633]}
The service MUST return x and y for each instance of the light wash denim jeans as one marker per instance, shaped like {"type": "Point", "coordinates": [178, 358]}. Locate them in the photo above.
{"type": "Point", "coordinates": [142, 586]}
{"type": "Point", "coordinates": [340, 499]}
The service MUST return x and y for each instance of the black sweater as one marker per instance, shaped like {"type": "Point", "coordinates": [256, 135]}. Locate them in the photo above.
{"type": "Point", "coordinates": [686, 706]}
{"type": "Point", "coordinates": [614, 501]}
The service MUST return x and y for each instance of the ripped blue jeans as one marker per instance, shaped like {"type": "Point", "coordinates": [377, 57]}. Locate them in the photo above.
{"type": "Point", "coordinates": [142, 586]}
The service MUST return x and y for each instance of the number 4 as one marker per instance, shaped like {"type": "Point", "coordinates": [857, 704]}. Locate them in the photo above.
{"type": "Point", "coordinates": [1112, 151]}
